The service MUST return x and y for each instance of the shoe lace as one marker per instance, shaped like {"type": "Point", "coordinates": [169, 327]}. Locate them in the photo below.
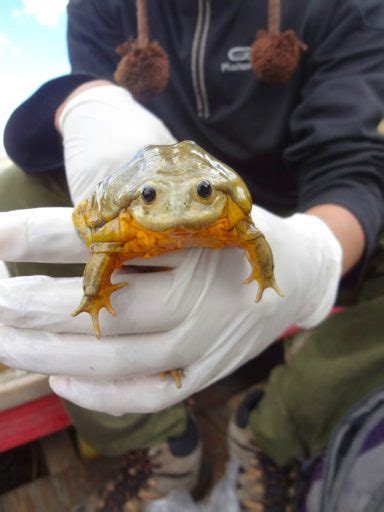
{"type": "Point", "coordinates": [133, 477]}
{"type": "Point", "coordinates": [275, 486]}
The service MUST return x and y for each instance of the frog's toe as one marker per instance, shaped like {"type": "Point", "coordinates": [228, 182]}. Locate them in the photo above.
{"type": "Point", "coordinates": [263, 283]}
{"type": "Point", "coordinates": [175, 374]}
{"type": "Point", "coordinates": [83, 307]}
{"type": "Point", "coordinates": [93, 304]}
{"type": "Point", "coordinates": [264, 286]}
{"type": "Point", "coordinates": [106, 296]}
{"type": "Point", "coordinates": [250, 279]}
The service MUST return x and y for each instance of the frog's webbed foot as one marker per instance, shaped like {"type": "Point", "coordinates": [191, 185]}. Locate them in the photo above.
{"type": "Point", "coordinates": [263, 282]}
{"type": "Point", "coordinates": [175, 374]}
{"type": "Point", "coordinates": [260, 256]}
{"type": "Point", "coordinates": [93, 304]}
{"type": "Point", "coordinates": [97, 284]}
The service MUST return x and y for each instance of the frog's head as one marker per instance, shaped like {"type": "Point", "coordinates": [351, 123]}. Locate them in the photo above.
{"type": "Point", "coordinates": [182, 186]}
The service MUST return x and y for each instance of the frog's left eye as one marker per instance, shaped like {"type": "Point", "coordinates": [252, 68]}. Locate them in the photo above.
{"type": "Point", "coordinates": [204, 189]}
{"type": "Point", "coordinates": [148, 194]}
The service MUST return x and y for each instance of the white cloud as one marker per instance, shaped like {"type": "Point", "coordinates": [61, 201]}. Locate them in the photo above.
{"type": "Point", "coordinates": [46, 12]}
{"type": "Point", "coordinates": [15, 13]}
{"type": "Point", "coordinates": [4, 41]}
{"type": "Point", "coordinates": [7, 48]}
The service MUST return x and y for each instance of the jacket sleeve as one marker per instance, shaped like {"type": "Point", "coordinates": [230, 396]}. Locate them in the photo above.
{"type": "Point", "coordinates": [94, 31]}
{"type": "Point", "coordinates": [337, 149]}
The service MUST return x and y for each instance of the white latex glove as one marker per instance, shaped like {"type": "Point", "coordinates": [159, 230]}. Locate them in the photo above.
{"type": "Point", "coordinates": [199, 316]}
{"type": "Point", "coordinates": [103, 128]}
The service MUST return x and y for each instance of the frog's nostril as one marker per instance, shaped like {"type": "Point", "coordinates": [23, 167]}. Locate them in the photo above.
{"type": "Point", "coordinates": [148, 193]}
{"type": "Point", "coordinates": [204, 189]}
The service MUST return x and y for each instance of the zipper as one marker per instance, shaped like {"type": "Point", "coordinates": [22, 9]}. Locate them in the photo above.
{"type": "Point", "coordinates": [198, 57]}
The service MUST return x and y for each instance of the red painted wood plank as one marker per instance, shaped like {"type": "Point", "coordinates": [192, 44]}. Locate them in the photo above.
{"type": "Point", "coordinates": [31, 421]}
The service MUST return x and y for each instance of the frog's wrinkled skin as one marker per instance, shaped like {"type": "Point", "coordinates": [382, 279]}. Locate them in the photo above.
{"type": "Point", "coordinates": [167, 198]}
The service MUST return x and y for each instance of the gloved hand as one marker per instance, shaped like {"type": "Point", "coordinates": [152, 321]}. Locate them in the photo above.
{"type": "Point", "coordinates": [198, 316]}
{"type": "Point", "coordinates": [103, 128]}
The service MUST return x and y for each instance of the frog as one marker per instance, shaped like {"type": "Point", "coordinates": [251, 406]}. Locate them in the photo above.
{"type": "Point", "coordinates": [167, 198]}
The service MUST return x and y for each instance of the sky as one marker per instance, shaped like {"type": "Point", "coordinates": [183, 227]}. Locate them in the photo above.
{"type": "Point", "coordinates": [32, 50]}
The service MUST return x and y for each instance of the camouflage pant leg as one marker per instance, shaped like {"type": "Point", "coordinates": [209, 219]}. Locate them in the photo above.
{"type": "Point", "coordinates": [109, 435]}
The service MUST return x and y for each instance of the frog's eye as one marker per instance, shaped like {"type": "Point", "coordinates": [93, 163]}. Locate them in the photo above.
{"type": "Point", "coordinates": [204, 189]}
{"type": "Point", "coordinates": [148, 194]}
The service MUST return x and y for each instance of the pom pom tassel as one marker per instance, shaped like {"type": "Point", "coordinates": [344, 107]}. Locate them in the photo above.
{"type": "Point", "coordinates": [144, 65]}
{"type": "Point", "coordinates": [275, 55]}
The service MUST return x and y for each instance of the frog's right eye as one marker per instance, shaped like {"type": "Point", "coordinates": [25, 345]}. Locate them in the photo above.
{"type": "Point", "coordinates": [148, 194]}
{"type": "Point", "coordinates": [204, 189]}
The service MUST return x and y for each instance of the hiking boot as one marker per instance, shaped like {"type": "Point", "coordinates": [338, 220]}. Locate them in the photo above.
{"type": "Point", "coordinates": [261, 486]}
{"type": "Point", "coordinates": [147, 475]}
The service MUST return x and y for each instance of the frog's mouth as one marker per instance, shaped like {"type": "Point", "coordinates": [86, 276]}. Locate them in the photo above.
{"type": "Point", "coordinates": [182, 225]}
{"type": "Point", "coordinates": [179, 220]}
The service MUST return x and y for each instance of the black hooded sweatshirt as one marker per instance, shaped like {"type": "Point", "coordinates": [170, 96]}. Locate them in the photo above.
{"type": "Point", "coordinates": [311, 141]}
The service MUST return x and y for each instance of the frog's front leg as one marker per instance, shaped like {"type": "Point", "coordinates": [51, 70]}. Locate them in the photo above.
{"type": "Point", "coordinates": [97, 286]}
{"type": "Point", "coordinates": [260, 256]}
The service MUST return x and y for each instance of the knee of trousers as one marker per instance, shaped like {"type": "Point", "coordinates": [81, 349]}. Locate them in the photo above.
{"type": "Point", "coordinates": [19, 190]}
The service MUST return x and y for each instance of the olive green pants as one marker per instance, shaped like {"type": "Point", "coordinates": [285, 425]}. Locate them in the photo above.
{"type": "Point", "coordinates": [341, 360]}
{"type": "Point", "coordinates": [338, 363]}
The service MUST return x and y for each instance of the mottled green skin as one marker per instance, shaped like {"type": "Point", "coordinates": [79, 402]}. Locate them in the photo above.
{"type": "Point", "coordinates": [174, 171]}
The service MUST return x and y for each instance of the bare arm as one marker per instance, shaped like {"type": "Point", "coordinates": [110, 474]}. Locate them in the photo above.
{"type": "Point", "coordinates": [347, 230]}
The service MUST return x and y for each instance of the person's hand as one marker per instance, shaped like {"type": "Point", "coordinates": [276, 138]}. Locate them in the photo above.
{"type": "Point", "coordinates": [103, 127]}
{"type": "Point", "coordinates": [198, 316]}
